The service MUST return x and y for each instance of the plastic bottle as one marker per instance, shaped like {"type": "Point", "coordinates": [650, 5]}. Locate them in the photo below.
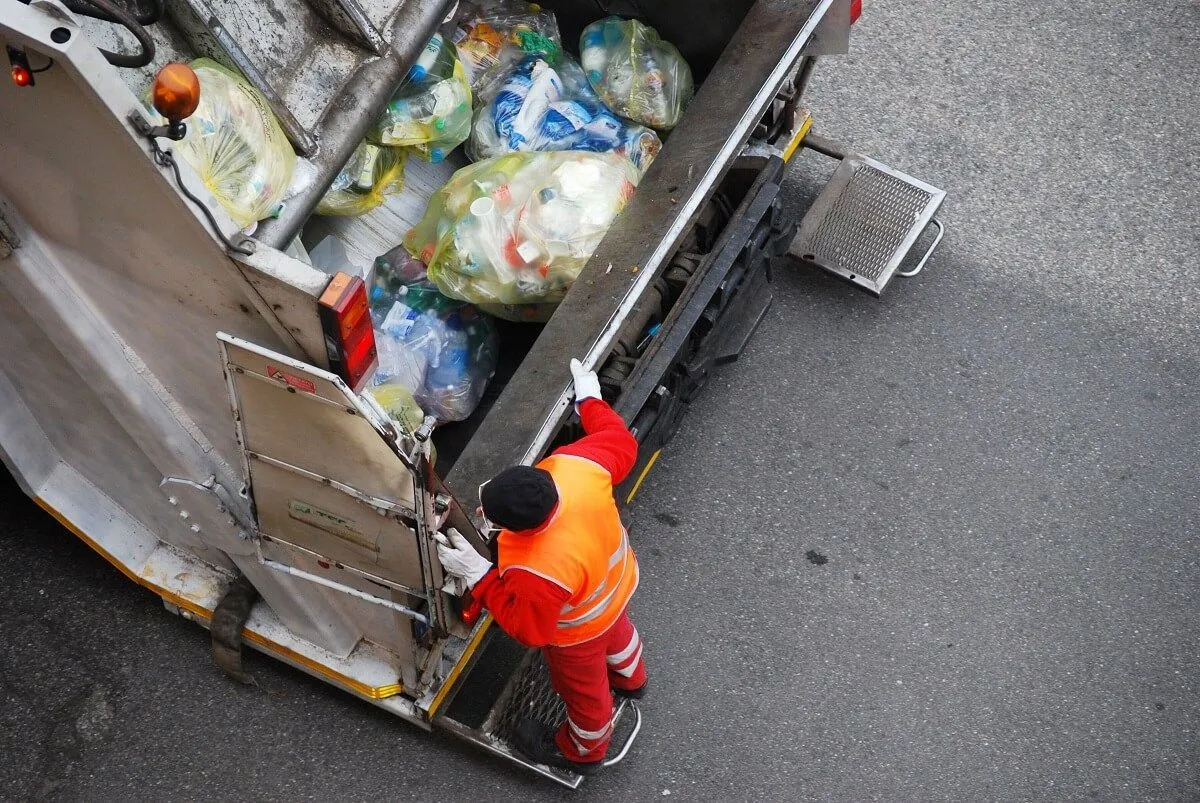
{"type": "Point", "coordinates": [428, 59]}
{"type": "Point", "coordinates": [593, 54]}
{"type": "Point", "coordinates": [451, 367]}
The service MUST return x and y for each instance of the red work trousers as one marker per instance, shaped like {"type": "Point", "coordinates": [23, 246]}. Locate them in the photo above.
{"type": "Point", "coordinates": [584, 675]}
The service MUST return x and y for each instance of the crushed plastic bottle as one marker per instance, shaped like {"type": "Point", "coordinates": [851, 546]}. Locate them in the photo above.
{"type": "Point", "coordinates": [540, 107]}
{"type": "Point", "coordinates": [431, 111]}
{"type": "Point", "coordinates": [638, 74]}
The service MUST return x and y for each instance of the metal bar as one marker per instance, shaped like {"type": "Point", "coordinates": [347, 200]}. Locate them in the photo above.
{"type": "Point", "coordinates": [637, 728]}
{"type": "Point", "coordinates": [374, 578]}
{"type": "Point", "coordinates": [822, 145]}
{"type": "Point", "coordinates": [367, 499]}
{"type": "Point", "coordinates": [353, 592]}
{"type": "Point", "coordinates": [743, 83]}
{"type": "Point", "coordinates": [353, 114]}
{"type": "Point", "coordinates": [908, 274]}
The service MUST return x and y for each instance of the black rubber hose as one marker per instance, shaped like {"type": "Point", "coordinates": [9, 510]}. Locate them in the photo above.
{"type": "Point", "coordinates": [150, 17]}
{"type": "Point", "coordinates": [121, 17]}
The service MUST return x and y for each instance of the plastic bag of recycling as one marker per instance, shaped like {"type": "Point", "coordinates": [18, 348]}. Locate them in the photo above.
{"type": "Point", "coordinates": [539, 107]}
{"type": "Point", "coordinates": [372, 173]}
{"type": "Point", "coordinates": [638, 74]}
{"type": "Point", "coordinates": [236, 146]}
{"type": "Point", "coordinates": [442, 351]}
{"type": "Point", "coordinates": [431, 111]}
{"type": "Point", "coordinates": [518, 229]}
{"type": "Point", "coordinates": [492, 37]}
{"type": "Point", "coordinates": [459, 374]}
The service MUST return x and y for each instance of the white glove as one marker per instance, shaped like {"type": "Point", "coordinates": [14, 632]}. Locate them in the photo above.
{"type": "Point", "coordinates": [587, 384]}
{"type": "Point", "coordinates": [460, 559]}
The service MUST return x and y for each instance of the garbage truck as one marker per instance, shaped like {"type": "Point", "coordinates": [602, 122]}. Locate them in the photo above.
{"type": "Point", "coordinates": [184, 392]}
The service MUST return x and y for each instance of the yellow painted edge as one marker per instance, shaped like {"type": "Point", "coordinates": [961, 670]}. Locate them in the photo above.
{"type": "Point", "coordinates": [476, 640]}
{"type": "Point", "coordinates": [372, 692]}
{"type": "Point", "coordinates": [798, 137]}
{"type": "Point", "coordinates": [637, 485]}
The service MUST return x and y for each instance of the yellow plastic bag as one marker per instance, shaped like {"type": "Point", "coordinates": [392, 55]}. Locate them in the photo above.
{"type": "Point", "coordinates": [372, 174]}
{"type": "Point", "coordinates": [431, 110]}
{"type": "Point", "coordinates": [236, 146]}
{"type": "Point", "coordinates": [516, 230]}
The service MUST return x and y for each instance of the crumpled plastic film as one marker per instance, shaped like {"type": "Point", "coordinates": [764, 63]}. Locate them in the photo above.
{"type": "Point", "coordinates": [638, 74]}
{"type": "Point", "coordinates": [372, 173]}
{"type": "Point", "coordinates": [540, 107]}
{"type": "Point", "coordinates": [431, 110]}
{"type": "Point", "coordinates": [236, 146]}
{"type": "Point", "coordinates": [518, 229]}
{"type": "Point", "coordinates": [492, 37]}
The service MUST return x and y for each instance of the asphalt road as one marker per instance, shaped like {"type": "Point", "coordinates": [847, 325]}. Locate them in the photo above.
{"type": "Point", "coordinates": [942, 546]}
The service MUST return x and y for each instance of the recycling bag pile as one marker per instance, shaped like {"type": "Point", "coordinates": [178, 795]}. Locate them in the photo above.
{"type": "Point", "coordinates": [558, 147]}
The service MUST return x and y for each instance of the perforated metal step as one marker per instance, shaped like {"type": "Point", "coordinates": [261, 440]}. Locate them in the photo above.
{"type": "Point", "coordinates": [866, 220]}
{"type": "Point", "coordinates": [529, 695]}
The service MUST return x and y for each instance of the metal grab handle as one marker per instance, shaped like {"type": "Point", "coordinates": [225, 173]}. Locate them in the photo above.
{"type": "Point", "coordinates": [637, 726]}
{"type": "Point", "coordinates": [941, 231]}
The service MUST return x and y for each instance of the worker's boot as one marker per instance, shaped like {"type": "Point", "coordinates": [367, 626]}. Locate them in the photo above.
{"type": "Point", "coordinates": [632, 694]}
{"type": "Point", "coordinates": [536, 742]}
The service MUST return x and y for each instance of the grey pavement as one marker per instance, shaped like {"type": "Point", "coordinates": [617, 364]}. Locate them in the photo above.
{"type": "Point", "coordinates": [942, 546]}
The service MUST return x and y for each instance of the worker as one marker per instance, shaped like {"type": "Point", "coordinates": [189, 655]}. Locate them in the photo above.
{"type": "Point", "coordinates": [564, 578]}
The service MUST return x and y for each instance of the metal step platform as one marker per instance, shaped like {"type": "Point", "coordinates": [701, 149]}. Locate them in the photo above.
{"type": "Point", "coordinates": [527, 694]}
{"type": "Point", "coordinates": [866, 221]}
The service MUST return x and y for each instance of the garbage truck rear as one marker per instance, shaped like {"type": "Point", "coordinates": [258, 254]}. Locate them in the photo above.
{"type": "Point", "coordinates": [184, 391]}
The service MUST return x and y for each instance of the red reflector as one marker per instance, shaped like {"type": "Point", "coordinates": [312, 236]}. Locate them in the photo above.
{"type": "Point", "coordinates": [855, 10]}
{"type": "Point", "coordinates": [18, 60]}
{"type": "Point", "coordinates": [349, 337]}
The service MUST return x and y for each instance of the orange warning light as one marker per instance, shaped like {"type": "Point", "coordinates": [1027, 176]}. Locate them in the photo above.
{"type": "Point", "coordinates": [176, 92]}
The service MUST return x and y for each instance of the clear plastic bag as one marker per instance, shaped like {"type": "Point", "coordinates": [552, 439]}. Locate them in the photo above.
{"type": "Point", "coordinates": [539, 107]}
{"type": "Point", "coordinates": [440, 350]}
{"type": "Point", "coordinates": [372, 173]}
{"type": "Point", "coordinates": [236, 146]}
{"type": "Point", "coordinates": [431, 111]}
{"type": "Point", "coordinates": [638, 74]}
{"type": "Point", "coordinates": [518, 229]}
{"type": "Point", "coordinates": [492, 37]}
{"type": "Point", "coordinates": [465, 363]}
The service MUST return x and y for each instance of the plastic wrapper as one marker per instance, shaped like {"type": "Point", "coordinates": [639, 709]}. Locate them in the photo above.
{"type": "Point", "coordinates": [431, 111]}
{"type": "Point", "coordinates": [518, 229]}
{"type": "Point", "coordinates": [493, 37]}
{"type": "Point", "coordinates": [539, 107]}
{"type": "Point", "coordinates": [638, 74]}
{"type": "Point", "coordinates": [372, 173]}
{"type": "Point", "coordinates": [236, 146]}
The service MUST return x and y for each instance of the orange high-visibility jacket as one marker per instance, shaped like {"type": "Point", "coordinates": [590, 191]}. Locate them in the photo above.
{"type": "Point", "coordinates": [583, 548]}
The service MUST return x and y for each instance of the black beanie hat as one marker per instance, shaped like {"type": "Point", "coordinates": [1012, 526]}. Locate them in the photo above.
{"type": "Point", "coordinates": [519, 498]}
